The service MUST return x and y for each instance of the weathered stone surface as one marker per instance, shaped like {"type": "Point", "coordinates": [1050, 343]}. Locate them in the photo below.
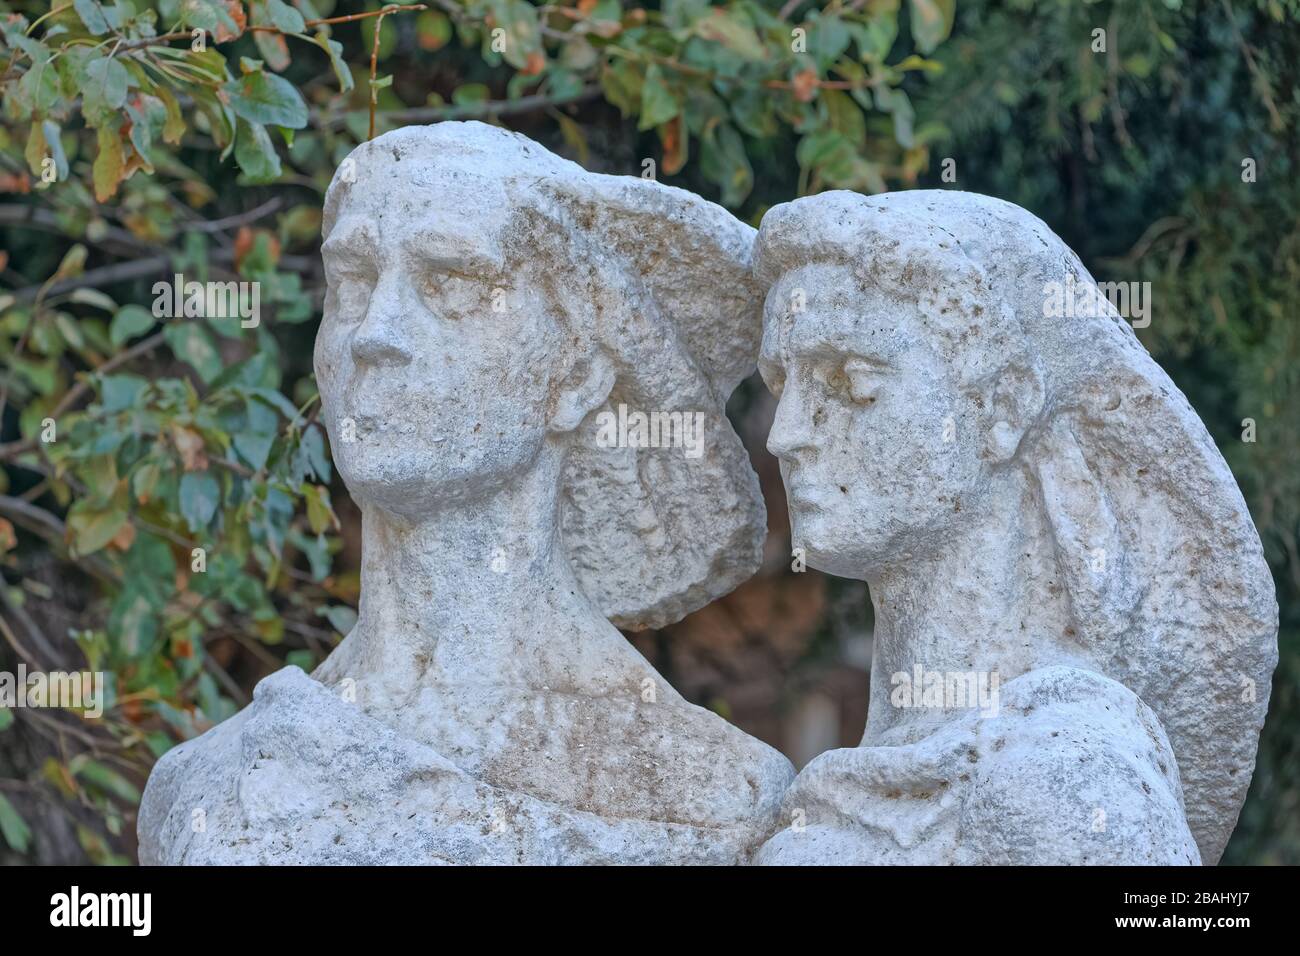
{"type": "Point", "coordinates": [1072, 769]}
{"type": "Point", "coordinates": [1031, 499]}
{"type": "Point", "coordinates": [487, 302]}
{"type": "Point", "coordinates": [303, 777]}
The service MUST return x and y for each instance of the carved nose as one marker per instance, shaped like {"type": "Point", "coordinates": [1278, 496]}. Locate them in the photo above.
{"type": "Point", "coordinates": [791, 428]}
{"type": "Point", "coordinates": [381, 338]}
{"type": "Point", "coordinates": [372, 349]}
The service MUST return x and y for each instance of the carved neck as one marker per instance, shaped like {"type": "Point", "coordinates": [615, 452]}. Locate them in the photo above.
{"type": "Point", "coordinates": [989, 602]}
{"type": "Point", "coordinates": [471, 592]}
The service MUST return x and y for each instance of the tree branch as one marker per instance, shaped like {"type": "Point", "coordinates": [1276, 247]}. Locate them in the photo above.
{"type": "Point", "coordinates": [490, 109]}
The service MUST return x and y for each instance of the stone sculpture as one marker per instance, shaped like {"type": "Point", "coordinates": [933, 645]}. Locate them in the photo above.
{"type": "Point", "coordinates": [490, 307]}
{"type": "Point", "coordinates": [523, 368]}
{"type": "Point", "coordinates": [1040, 515]}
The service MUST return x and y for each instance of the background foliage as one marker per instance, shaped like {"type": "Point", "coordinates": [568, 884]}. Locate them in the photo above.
{"type": "Point", "coordinates": [127, 155]}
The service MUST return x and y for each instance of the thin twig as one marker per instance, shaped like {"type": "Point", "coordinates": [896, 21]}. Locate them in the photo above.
{"type": "Point", "coordinates": [374, 66]}
{"type": "Point", "coordinates": [43, 644]}
{"type": "Point", "coordinates": [490, 109]}
{"type": "Point", "coordinates": [235, 221]}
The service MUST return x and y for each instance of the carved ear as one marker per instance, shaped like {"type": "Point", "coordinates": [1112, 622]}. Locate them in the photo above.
{"type": "Point", "coordinates": [585, 388]}
{"type": "Point", "coordinates": [1017, 402]}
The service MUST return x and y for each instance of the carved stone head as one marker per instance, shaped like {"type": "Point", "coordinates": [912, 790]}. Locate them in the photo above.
{"type": "Point", "coordinates": [922, 369]}
{"type": "Point", "coordinates": [487, 300]}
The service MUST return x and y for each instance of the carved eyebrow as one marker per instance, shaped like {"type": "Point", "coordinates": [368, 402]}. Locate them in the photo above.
{"type": "Point", "coordinates": [813, 345]}
{"type": "Point", "coordinates": [872, 363]}
{"type": "Point", "coordinates": [349, 236]}
{"type": "Point", "coordinates": [453, 255]}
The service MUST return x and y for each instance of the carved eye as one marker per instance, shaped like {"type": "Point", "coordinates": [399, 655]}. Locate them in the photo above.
{"type": "Point", "coordinates": [454, 296]}
{"type": "Point", "coordinates": [861, 381]}
{"type": "Point", "coordinates": [432, 285]}
{"type": "Point", "coordinates": [352, 295]}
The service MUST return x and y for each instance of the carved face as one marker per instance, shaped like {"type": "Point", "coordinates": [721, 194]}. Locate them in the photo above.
{"type": "Point", "coordinates": [434, 361]}
{"type": "Point", "coordinates": [879, 448]}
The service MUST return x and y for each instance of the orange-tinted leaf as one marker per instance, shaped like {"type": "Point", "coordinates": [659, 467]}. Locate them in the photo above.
{"type": "Point", "coordinates": [190, 446]}
{"type": "Point", "coordinates": [535, 64]}
{"type": "Point", "coordinates": [805, 85]}
{"type": "Point", "coordinates": [110, 164]}
{"type": "Point", "coordinates": [674, 146]}
{"type": "Point", "coordinates": [124, 538]}
{"type": "Point", "coordinates": [236, 11]}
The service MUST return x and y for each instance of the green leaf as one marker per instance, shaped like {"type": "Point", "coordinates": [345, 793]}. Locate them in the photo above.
{"type": "Point", "coordinates": [845, 116]}
{"type": "Point", "coordinates": [723, 161]}
{"type": "Point", "coordinates": [753, 113]}
{"type": "Point", "coordinates": [334, 49]}
{"type": "Point", "coordinates": [130, 321]}
{"type": "Point", "coordinates": [342, 618]}
{"type": "Point", "coordinates": [317, 551]}
{"type": "Point", "coordinates": [174, 126]}
{"type": "Point", "coordinates": [132, 622]}
{"type": "Point", "coordinates": [733, 32]}
{"type": "Point", "coordinates": [904, 115]}
{"type": "Point", "coordinates": [319, 514]}
{"type": "Point", "coordinates": [36, 150]}
{"type": "Point", "coordinates": [470, 94]}
{"type": "Point", "coordinates": [92, 16]}
{"type": "Point", "coordinates": [6, 718]}
{"type": "Point", "coordinates": [876, 37]}
{"type": "Point", "coordinates": [13, 827]}
{"type": "Point", "coordinates": [433, 30]}
{"type": "Point", "coordinates": [56, 149]}
{"type": "Point", "coordinates": [141, 135]}
{"type": "Point", "coordinates": [93, 297]}
{"type": "Point", "coordinates": [658, 105]}
{"type": "Point", "coordinates": [121, 392]}
{"type": "Point", "coordinates": [274, 399]}
{"type": "Point", "coordinates": [106, 82]}
{"type": "Point", "coordinates": [107, 170]}
{"type": "Point", "coordinates": [109, 781]}
{"type": "Point", "coordinates": [303, 659]}
{"type": "Point", "coordinates": [38, 89]}
{"type": "Point", "coordinates": [70, 330]}
{"type": "Point", "coordinates": [263, 98]}
{"type": "Point", "coordinates": [207, 15]}
{"type": "Point", "coordinates": [259, 370]}
{"type": "Point", "coordinates": [828, 37]}
{"type": "Point", "coordinates": [314, 455]}
{"type": "Point", "coordinates": [931, 22]}
{"type": "Point", "coordinates": [285, 17]}
{"type": "Point", "coordinates": [253, 441]}
{"type": "Point", "coordinates": [518, 19]}
{"type": "Point", "coordinates": [200, 494]}
{"type": "Point", "coordinates": [192, 343]}
{"type": "Point", "coordinates": [621, 84]}
{"type": "Point", "coordinates": [145, 480]}
{"type": "Point", "coordinates": [92, 524]}
{"type": "Point", "coordinates": [255, 153]}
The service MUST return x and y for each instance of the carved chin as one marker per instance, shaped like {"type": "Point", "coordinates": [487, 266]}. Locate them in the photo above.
{"type": "Point", "coordinates": [388, 478]}
{"type": "Point", "coordinates": [810, 531]}
{"type": "Point", "coordinates": [827, 548]}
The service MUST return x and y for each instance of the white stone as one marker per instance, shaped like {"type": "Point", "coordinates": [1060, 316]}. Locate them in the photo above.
{"type": "Point", "coordinates": [487, 301]}
{"type": "Point", "coordinates": [1072, 769]}
{"type": "Point", "coordinates": [1031, 500]}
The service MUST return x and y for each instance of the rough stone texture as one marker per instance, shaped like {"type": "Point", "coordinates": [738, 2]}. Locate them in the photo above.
{"type": "Point", "coordinates": [1029, 496]}
{"type": "Point", "coordinates": [1074, 769]}
{"type": "Point", "coordinates": [487, 300]}
{"type": "Point", "coordinates": [302, 777]}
